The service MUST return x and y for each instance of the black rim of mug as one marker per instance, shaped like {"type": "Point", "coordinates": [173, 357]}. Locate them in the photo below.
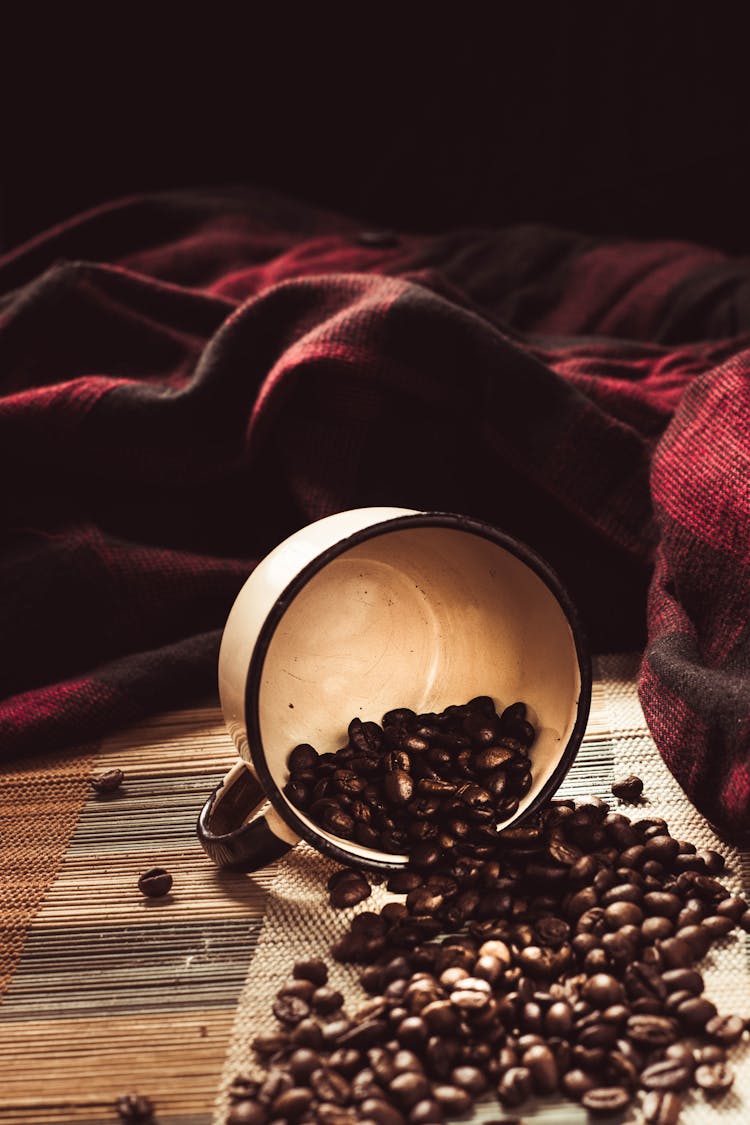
{"type": "Point", "coordinates": [422, 519]}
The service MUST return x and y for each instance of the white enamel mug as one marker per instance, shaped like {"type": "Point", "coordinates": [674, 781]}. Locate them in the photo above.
{"type": "Point", "coordinates": [372, 609]}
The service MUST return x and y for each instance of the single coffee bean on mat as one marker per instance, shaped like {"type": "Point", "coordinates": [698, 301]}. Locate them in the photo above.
{"type": "Point", "coordinates": [155, 883]}
{"type": "Point", "coordinates": [108, 781]}
{"type": "Point", "coordinates": [628, 788]}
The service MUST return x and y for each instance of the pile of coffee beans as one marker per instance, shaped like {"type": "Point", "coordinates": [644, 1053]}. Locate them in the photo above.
{"type": "Point", "coordinates": [431, 782]}
{"type": "Point", "coordinates": [558, 957]}
{"type": "Point", "coordinates": [552, 957]}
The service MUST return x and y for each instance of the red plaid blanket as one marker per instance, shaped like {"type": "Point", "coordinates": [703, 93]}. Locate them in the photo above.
{"type": "Point", "coordinates": [186, 378]}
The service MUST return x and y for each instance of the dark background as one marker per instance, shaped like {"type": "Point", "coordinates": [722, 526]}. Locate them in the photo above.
{"type": "Point", "coordinates": [610, 118]}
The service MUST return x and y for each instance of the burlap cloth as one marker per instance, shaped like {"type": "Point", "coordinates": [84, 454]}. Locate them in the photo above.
{"type": "Point", "coordinates": [299, 923]}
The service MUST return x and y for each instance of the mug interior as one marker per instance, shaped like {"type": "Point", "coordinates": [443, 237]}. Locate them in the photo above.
{"type": "Point", "coordinates": [423, 615]}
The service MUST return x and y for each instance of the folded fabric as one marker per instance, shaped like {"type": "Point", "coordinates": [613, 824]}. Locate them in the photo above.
{"type": "Point", "coordinates": [186, 378]}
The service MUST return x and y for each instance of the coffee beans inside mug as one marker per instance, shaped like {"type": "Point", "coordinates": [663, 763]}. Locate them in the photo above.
{"type": "Point", "coordinates": [556, 957]}
{"type": "Point", "coordinates": [444, 780]}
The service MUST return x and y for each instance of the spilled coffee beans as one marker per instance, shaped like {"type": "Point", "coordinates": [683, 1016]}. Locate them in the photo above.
{"type": "Point", "coordinates": [429, 782]}
{"type": "Point", "coordinates": [557, 957]}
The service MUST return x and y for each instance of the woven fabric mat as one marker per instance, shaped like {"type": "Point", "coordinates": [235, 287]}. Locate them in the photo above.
{"type": "Point", "coordinates": [104, 991]}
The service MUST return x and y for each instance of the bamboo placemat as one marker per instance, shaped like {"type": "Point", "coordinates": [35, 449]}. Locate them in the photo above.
{"type": "Point", "coordinates": [105, 991]}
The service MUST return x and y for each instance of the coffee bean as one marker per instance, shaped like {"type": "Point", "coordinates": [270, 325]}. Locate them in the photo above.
{"type": "Point", "coordinates": [628, 788]}
{"type": "Point", "coordinates": [312, 969]}
{"type": "Point", "coordinates": [308, 1033]}
{"type": "Point", "coordinates": [542, 1065]}
{"type": "Point", "coordinates": [717, 925]}
{"type": "Point", "coordinates": [688, 980]}
{"type": "Point", "coordinates": [515, 1086]}
{"type": "Point", "coordinates": [136, 1107]}
{"type": "Point", "coordinates": [409, 1087]}
{"type": "Point", "coordinates": [350, 891]}
{"type": "Point", "coordinates": [302, 1063]}
{"type": "Point", "coordinates": [455, 1101]}
{"type": "Point", "coordinates": [602, 990]}
{"type": "Point", "coordinates": [661, 1107]}
{"type": "Point", "coordinates": [427, 1112]}
{"type": "Point", "coordinates": [289, 1010]}
{"type": "Point", "coordinates": [326, 1000]}
{"type": "Point", "coordinates": [669, 1074]}
{"type": "Point", "coordinates": [302, 988]}
{"type": "Point", "coordinates": [270, 1044]}
{"type": "Point", "coordinates": [330, 1086]}
{"type": "Point", "coordinates": [247, 1113]}
{"type": "Point", "coordinates": [576, 1083]}
{"type": "Point", "coordinates": [155, 883]}
{"type": "Point", "coordinates": [676, 953]}
{"type": "Point", "coordinates": [107, 782]}
{"type": "Point", "coordinates": [243, 1087]}
{"type": "Point", "coordinates": [293, 1103]}
{"type": "Point", "coordinates": [732, 907]}
{"type": "Point", "coordinates": [651, 1030]}
{"type": "Point", "coordinates": [715, 1079]}
{"type": "Point", "coordinates": [695, 1012]}
{"type": "Point", "coordinates": [725, 1029]}
{"type": "Point", "coordinates": [602, 1100]}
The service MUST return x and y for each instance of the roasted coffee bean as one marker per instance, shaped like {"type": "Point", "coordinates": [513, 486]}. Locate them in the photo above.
{"type": "Point", "coordinates": [293, 1103]}
{"type": "Point", "coordinates": [708, 1054]}
{"type": "Point", "coordinates": [349, 891]}
{"type": "Point", "coordinates": [717, 925]}
{"type": "Point", "coordinates": [602, 990]}
{"type": "Point", "coordinates": [302, 757]}
{"type": "Point", "coordinates": [302, 1063]}
{"type": "Point", "coordinates": [669, 1074]}
{"type": "Point", "coordinates": [409, 1087]}
{"type": "Point", "coordinates": [695, 1012]}
{"type": "Point", "coordinates": [330, 1086]}
{"type": "Point", "coordinates": [275, 1083]}
{"type": "Point", "coordinates": [308, 1033]}
{"type": "Point", "coordinates": [542, 1065]}
{"type": "Point", "coordinates": [427, 1112]}
{"type": "Point", "coordinates": [515, 1086]}
{"type": "Point", "coordinates": [326, 1000]}
{"type": "Point", "coordinates": [677, 954]}
{"type": "Point", "coordinates": [155, 883]}
{"type": "Point", "coordinates": [733, 907]}
{"type": "Point", "coordinates": [247, 1113]}
{"type": "Point", "coordinates": [656, 928]}
{"type": "Point", "coordinates": [302, 988]}
{"type": "Point", "coordinates": [602, 1100]}
{"type": "Point", "coordinates": [137, 1108]}
{"type": "Point", "coordinates": [289, 1010]}
{"type": "Point", "coordinates": [651, 1030]}
{"type": "Point", "coordinates": [243, 1087]}
{"type": "Point", "coordinates": [628, 788]}
{"type": "Point", "coordinates": [271, 1044]}
{"type": "Point", "coordinates": [313, 970]}
{"type": "Point", "coordinates": [661, 1107]}
{"type": "Point", "coordinates": [715, 1079]}
{"type": "Point", "coordinates": [108, 781]}
{"type": "Point", "coordinates": [379, 1110]}
{"type": "Point", "coordinates": [725, 1030]}
{"type": "Point", "coordinates": [455, 1101]}
{"type": "Point", "coordinates": [576, 1083]}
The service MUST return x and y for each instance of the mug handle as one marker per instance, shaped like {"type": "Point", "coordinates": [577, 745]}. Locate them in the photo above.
{"type": "Point", "coordinates": [232, 829]}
